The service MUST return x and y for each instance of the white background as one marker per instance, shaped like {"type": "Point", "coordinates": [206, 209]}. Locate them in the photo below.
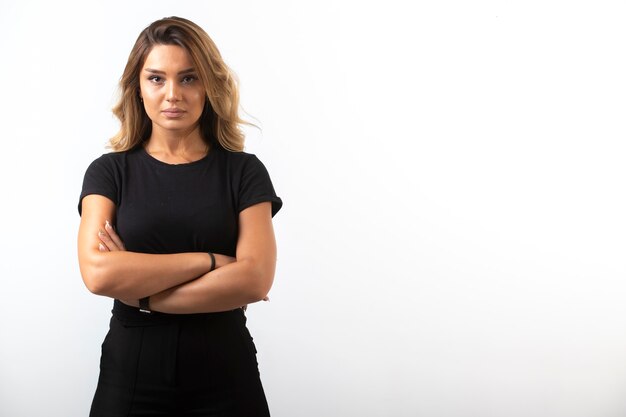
{"type": "Point", "coordinates": [453, 238]}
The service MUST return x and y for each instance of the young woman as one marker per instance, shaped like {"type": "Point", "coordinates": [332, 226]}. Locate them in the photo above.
{"type": "Point", "coordinates": [176, 226]}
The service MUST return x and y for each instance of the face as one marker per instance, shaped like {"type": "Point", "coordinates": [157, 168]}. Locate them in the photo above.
{"type": "Point", "coordinates": [172, 94]}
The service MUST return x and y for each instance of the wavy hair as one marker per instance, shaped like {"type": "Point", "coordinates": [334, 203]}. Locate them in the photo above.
{"type": "Point", "coordinates": [219, 122]}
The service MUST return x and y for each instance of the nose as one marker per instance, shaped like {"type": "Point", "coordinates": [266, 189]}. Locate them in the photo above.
{"type": "Point", "coordinates": [173, 92]}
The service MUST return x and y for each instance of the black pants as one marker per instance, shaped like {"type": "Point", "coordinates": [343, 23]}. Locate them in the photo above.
{"type": "Point", "coordinates": [178, 365]}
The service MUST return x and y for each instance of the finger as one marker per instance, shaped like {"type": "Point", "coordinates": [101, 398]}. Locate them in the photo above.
{"type": "Point", "coordinates": [102, 248]}
{"type": "Point", "coordinates": [113, 235]}
{"type": "Point", "coordinates": [106, 240]}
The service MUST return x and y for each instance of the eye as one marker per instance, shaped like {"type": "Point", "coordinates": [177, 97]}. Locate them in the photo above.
{"type": "Point", "coordinates": [188, 79]}
{"type": "Point", "coordinates": [155, 79]}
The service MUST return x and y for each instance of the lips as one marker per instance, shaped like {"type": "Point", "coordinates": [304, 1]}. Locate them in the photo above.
{"type": "Point", "coordinates": [173, 112]}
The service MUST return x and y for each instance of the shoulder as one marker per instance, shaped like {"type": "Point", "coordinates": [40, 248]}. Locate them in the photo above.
{"type": "Point", "coordinates": [240, 161]}
{"type": "Point", "coordinates": [111, 161]}
{"type": "Point", "coordinates": [104, 176]}
{"type": "Point", "coordinates": [113, 158]}
{"type": "Point", "coordinates": [241, 157]}
{"type": "Point", "coordinates": [250, 180]}
{"type": "Point", "coordinates": [109, 167]}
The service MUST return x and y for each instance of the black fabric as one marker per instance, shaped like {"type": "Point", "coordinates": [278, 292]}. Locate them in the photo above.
{"type": "Point", "coordinates": [170, 364]}
{"type": "Point", "coordinates": [194, 207]}
{"type": "Point", "coordinates": [178, 365]}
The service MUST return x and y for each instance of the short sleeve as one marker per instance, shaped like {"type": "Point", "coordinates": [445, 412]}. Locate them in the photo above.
{"type": "Point", "coordinates": [100, 179]}
{"type": "Point", "coordinates": [256, 186]}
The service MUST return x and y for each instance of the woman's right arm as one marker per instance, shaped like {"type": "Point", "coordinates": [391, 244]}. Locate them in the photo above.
{"type": "Point", "coordinates": [130, 275]}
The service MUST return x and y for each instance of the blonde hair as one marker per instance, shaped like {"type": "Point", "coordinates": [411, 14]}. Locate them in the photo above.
{"type": "Point", "coordinates": [219, 122]}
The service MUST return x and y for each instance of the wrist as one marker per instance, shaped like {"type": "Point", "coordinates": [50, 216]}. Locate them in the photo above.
{"type": "Point", "coordinates": [213, 261]}
{"type": "Point", "coordinates": [222, 260]}
{"type": "Point", "coordinates": [144, 305]}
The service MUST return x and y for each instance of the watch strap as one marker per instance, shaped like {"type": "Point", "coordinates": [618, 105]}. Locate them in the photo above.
{"type": "Point", "coordinates": [144, 305]}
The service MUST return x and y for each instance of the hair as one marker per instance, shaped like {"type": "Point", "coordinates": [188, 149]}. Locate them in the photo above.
{"type": "Point", "coordinates": [219, 122]}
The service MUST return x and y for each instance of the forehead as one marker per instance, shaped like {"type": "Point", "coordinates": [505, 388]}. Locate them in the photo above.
{"type": "Point", "coordinates": [168, 58]}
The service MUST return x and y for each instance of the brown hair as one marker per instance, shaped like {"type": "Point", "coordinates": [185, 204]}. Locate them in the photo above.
{"type": "Point", "coordinates": [220, 118]}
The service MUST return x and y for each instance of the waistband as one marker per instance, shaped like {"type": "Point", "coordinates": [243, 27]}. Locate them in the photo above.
{"type": "Point", "coordinates": [132, 316]}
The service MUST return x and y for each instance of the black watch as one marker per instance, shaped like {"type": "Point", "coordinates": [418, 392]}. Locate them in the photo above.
{"type": "Point", "coordinates": [144, 305]}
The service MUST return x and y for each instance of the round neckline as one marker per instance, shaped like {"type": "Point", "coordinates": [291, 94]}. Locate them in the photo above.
{"type": "Point", "coordinates": [156, 161]}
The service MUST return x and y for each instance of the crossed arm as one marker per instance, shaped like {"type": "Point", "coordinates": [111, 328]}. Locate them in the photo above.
{"type": "Point", "coordinates": [177, 283]}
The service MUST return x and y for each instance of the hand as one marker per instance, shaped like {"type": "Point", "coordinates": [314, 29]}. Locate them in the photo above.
{"type": "Point", "coordinates": [109, 239]}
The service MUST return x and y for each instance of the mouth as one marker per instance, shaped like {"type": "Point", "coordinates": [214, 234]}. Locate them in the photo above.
{"type": "Point", "coordinates": [173, 112]}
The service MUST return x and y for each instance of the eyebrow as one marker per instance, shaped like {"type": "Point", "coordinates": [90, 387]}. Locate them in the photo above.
{"type": "Point", "coordinates": [155, 71]}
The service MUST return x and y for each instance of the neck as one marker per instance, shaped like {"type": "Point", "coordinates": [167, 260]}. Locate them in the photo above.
{"type": "Point", "coordinates": [176, 147]}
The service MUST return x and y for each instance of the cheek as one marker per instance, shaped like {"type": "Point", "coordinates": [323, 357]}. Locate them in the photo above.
{"type": "Point", "coordinates": [200, 98]}
{"type": "Point", "coordinates": [151, 100]}
{"type": "Point", "coordinates": [196, 101]}
{"type": "Point", "coordinates": [148, 91]}
{"type": "Point", "coordinates": [151, 103]}
{"type": "Point", "coordinates": [148, 94]}
{"type": "Point", "coordinates": [197, 96]}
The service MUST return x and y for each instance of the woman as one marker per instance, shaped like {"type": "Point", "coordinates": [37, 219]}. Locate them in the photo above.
{"type": "Point", "coordinates": [176, 226]}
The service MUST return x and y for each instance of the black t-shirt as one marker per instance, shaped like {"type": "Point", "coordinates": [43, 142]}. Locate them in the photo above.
{"type": "Point", "coordinates": [192, 207]}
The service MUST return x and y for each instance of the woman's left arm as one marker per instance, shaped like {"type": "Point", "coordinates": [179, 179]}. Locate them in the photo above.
{"type": "Point", "coordinates": [245, 281]}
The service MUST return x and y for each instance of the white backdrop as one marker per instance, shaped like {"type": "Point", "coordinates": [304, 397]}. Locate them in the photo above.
{"type": "Point", "coordinates": [452, 242]}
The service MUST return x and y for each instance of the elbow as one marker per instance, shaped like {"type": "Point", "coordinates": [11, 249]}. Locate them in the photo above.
{"type": "Point", "coordinates": [263, 280]}
{"type": "Point", "coordinates": [258, 295]}
{"type": "Point", "coordinates": [94, 276]}
{"type": "Point", "coordinates": [94, 281]}
{"type": "Point", "coordinates": [94, 288]}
